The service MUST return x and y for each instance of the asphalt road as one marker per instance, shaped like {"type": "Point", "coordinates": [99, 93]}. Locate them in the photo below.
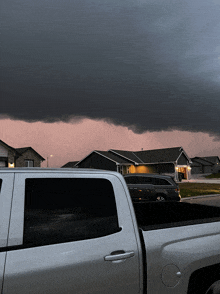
{"type": "Point", "coordinates": [212, 200]}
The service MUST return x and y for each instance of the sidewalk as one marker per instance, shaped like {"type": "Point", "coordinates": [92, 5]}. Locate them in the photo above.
{"type": "Point", "coordinates": [197, 178]}
{"type": "Point", "coordinates": [202, 180]}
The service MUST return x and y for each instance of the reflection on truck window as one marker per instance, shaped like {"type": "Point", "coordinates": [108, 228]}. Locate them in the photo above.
{"type": "Point", "coordinates": [61, 210]}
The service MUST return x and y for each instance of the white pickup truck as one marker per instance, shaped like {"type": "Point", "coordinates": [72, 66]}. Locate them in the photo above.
{"type": "Point", "coordinates": [77, 232]}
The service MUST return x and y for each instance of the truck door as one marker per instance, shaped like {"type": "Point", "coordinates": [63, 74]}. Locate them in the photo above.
{"type": "Point", "coordinates": [6, 186]}
{"type": "Point", "coordinates": [71, 235]}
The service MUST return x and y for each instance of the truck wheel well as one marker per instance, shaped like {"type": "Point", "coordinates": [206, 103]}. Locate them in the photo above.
{"type": "Point", "coordinates": [201, 279]}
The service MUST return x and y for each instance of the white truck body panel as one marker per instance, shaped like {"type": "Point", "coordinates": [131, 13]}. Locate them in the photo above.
{"type": "Point", "coordinates": [120, 262]}
{"type": "Point", "coordinates": [187, 248]}
{"type": "Point", "coordinates": [73, 267]}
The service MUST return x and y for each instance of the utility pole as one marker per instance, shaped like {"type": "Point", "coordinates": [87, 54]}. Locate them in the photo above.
{"type": "Point", "coordinates": [48, 159]}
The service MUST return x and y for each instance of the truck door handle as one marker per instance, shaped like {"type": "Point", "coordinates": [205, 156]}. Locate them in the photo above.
{"type": "Point", "coordinates": [117, 255]}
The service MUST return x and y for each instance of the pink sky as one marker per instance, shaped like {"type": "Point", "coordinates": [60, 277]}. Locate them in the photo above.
{"type": "Point", "coordinates": [74, 140]}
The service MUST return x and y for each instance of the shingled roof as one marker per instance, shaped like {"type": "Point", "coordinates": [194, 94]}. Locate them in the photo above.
{"type": "Point", "coordinates": [24, 149]}
{"type": "Point", "coordinates": [10, 148]}
{"type": "Point", "coordinates": [212, 159]}
{"type": "Point", "coordinates": [113, 157]}
{"type": "Point", "coordinates": [70, 164]}
{"type": "Point", "coordinates": [202, 161]}
{"type": "Point", "coordinates": [152, 156]}
{"type": "Point", "coordinates": [127, 155]}
{"type": "Point", "coordinates": [166, 155]}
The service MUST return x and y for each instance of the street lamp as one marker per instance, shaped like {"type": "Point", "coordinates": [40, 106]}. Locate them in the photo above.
{"type": "Point", "coordinates": [48, 159]}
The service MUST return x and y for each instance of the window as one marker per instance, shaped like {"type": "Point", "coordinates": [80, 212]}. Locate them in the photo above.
{"type": "Point", "coordinates": [29, 163]}
{"type": "Point", "coordinates": [145, 180]}
{"type": "Point", "coordinates": [61, 210]}
{"type": "Point", "coordinates": [131, 180]}
{"type": "Point", "coordinates": [0, 184]}
{"type": "Point", "coordinates": [161, 182]}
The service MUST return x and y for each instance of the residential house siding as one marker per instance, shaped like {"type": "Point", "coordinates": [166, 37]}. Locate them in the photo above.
{"type": "Point", "coordinates": [16, 157]}
{"type": "Point", "coordinates": [182, 160]}
{"type": "Point", "coordinates": [162, 161]}
{"type": "Point", "coordinates": [28, 155]}
{"type": "Point", "coordinates": [97, 161]}
{"type": "Point", "coordinates": [201, 166]}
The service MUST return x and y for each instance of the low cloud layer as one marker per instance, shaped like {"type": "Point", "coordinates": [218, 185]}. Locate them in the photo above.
{"type": "Point", "coordinates": [150, 65]}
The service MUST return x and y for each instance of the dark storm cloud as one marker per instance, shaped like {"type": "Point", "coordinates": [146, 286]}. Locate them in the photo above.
{"type": "Point", "coordinates": [151, 65]}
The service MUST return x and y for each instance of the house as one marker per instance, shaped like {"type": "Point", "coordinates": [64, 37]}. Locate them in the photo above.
{"type": "Point", "coordinates": [19, 157]}
{"type": "Point", "coordinates": [170, 161]}
{"type": "Point", "coordinates": [205, 165]}
{"type": "Point", "coordinates": [70, 164]}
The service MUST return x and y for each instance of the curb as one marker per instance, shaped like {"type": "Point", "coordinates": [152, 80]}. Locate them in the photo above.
{"type": "Point", "coordinates": [202, 196]}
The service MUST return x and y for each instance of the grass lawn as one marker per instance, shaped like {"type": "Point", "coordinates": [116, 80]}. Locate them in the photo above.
{"type": "Point", "coordinates": [213, 176]}
{"type": "Point", "coordinates": [196, 189]}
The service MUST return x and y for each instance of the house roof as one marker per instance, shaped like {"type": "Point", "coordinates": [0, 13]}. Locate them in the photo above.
{"type": "Point", "coordinates": [127, 155]}
{"type": "Point", "coordinates": [160, 155]}
{"type": "Point", "coordinates": [113, 157]}
{"type": "Point", "coordinates": [202, 161]}
{"type": "Point", "coordinates": [153, 156]}
{"type": "Point", "coordinates": [24, 149]}
{"type": "Point", "coordinates": [167, 155]}
{"type": "Point", "coordinates": [9, 147]}
{"type": "Point", "coordinates": [70, 164]}
{"type": "Point", "coordinates": [212, 159]}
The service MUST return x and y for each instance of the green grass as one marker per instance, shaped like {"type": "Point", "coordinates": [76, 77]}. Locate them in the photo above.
{"type": "Point", "coordinates": [197, 189]}
{"type": "Point", "coordinates": [213, 176]}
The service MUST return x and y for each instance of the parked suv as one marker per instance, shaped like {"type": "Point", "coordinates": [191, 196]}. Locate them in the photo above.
{"type": "Point", "coordinates": [152, 187]}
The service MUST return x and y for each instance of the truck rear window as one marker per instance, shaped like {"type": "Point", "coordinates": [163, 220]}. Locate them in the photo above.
{"type": "Point", "coordinates": [61, 210]}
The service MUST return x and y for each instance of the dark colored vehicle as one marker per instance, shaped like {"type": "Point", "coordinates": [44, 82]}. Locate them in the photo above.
{"type": "Point", "coordinates": [152, 187]}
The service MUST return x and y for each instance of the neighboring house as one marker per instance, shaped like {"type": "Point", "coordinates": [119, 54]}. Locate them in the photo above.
{"type": "Point", "coordinates": [171, 161]}
{"type": "Point", "coordinates": [19, 157]}
{"type": "Point", "coordinates": [70, 164]}
{"type": "Point", "coordinates": [216, 161]}
{"type": "Point", "coordinates": [205, 165]}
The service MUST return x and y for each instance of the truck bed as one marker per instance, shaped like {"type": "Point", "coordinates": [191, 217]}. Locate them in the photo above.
{"type": "Point", "coordinates": [156, 215]}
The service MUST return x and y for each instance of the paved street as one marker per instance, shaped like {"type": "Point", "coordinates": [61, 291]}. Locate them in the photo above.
{"type": "Point", "coordinates": [212, 200]}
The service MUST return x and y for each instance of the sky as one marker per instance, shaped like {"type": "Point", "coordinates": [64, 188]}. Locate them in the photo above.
{"type": "Point", "coordinates": [105, 74]}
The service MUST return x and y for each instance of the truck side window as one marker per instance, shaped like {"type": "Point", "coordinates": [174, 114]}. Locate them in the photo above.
{"type": "Point", "coordinates": [0, 184]}
{"type": "Point", "coordinates": [61, 210]}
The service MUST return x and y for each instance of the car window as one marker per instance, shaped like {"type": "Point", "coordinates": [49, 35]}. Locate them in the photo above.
{"type": "Point", "coordinates": [68, 209]}
{"type": "Point", "coordinates": [161, 182]}
{"type": "Point", "coordinates": [131, 180]}
{"type": "Point", "coordinates": [0, 184]}
{"type": "Point", "coordinates": [145, 180]}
